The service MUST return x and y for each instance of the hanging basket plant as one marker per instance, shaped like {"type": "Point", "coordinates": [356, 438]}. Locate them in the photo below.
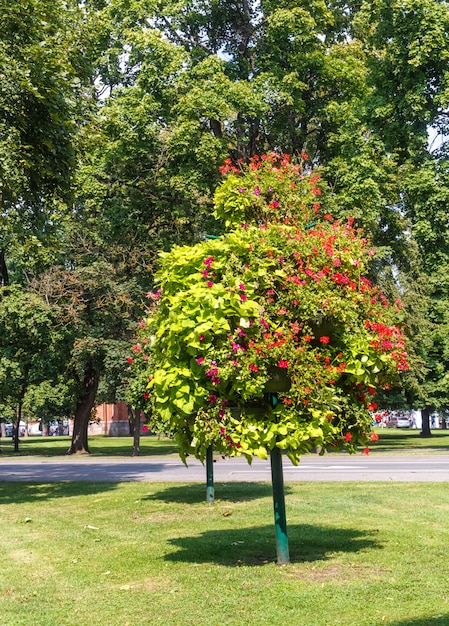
{"type": "Point", "coordinates": [279, 304]}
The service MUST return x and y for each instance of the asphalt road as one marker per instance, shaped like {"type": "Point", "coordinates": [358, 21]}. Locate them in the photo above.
{"type": "Point", "coordinates": [330, 467]}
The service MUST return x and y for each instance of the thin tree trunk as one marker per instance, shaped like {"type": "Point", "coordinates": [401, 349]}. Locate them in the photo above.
{"type": "Point", "coordinates": [425, 428]}
{"type": "Point", "coordinates": [16, 427]}
{"type": "Point", "coordinates": [4, 277]}
{"type": "Point", "coordinates": [134, 420]}
{"type": "Point", "coordinates": [83, 411]}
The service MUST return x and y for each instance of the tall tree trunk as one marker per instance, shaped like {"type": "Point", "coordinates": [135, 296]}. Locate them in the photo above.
{"type": "Point", "coordinates": [83, 411]}
{"type": "Point", "coordinates": [425, 428]}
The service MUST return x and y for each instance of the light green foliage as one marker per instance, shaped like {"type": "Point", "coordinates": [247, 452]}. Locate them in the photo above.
{"type": "Point", "coordinates": [281, 294]}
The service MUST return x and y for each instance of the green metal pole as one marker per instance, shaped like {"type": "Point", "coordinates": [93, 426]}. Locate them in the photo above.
{"type": "Point", "coordinates": [280, 520]}
{"type": "Point", "coordinates": [210, 493]}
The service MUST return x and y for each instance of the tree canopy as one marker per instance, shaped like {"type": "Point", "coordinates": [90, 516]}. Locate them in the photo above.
{"type": "Point", "coordinates": [116, 116]}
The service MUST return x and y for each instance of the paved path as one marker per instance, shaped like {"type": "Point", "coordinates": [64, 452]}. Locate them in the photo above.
{"type": "Point", "coordinates": [332, 467]}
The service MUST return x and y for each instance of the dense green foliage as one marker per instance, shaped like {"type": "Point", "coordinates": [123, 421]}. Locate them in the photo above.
{"type": "Point", "coordinates": [116, 116]}
{"type": "Point", "coordinates": [42, 90]}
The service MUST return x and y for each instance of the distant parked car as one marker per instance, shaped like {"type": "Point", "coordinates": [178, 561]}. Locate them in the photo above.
{"type": "Point", "coordinates": [399, 421]}
{"type": "Point", "coordinates": [403, 421]}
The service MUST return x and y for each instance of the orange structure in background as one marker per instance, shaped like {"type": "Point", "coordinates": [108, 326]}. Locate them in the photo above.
{"type": "Point", "coordinates": [110, 419]}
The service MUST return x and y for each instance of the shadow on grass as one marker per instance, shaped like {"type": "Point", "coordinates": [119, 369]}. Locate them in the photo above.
{"type": "Point", "coordinates": [256, 545]}
{"type": "Point", "coordinates": [18, 493]}
{"type": "Point", "coordinates": [437, 620]}
{"type": "Point", "coordinates": [224, 492]}
{"type": "Point", "coordinates": [401, 439]}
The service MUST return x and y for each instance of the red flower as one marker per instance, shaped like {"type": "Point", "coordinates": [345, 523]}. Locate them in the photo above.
{"type": "Point", "coordinates": [283, 364]}
{"type": "Point", "coordinates": [374, 437]}
{"type": "Point", "coordinates": [145, 428]}
{"type": "Point", "coordinates": [324, 339]}
{"type": "Point", "coordinates": [130, 359]}
{"type": "Point", "coordinates": [348, 437]}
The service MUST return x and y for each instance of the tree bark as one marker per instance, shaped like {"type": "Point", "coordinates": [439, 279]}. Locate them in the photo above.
{"type": "Point", "coordinates": [16, 427]}
{"type": "Point", "coordinates": [425, 428]}
{"type": "Point", "coordinates": [134, 421]}
{"type": "Point", "coordinates": [15, 435]}
{"type": "Point", "coordinates": [83, 411]}
{"type": "Point", "coordinates": [4, 277]}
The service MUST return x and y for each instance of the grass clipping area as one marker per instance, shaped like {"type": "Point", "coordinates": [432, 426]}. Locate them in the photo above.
{"type": "Point", "coordinates": [132, 554]}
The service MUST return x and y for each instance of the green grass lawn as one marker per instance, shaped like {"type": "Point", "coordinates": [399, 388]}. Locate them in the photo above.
{"type": "Point", "coordinates": [98, 445]}
{"type": "Point", "coordinates": [136, 554]}
{"type": "Point", "coordinates": [390, 440]}
{"type": "Point", "coordinates": [397, 439]}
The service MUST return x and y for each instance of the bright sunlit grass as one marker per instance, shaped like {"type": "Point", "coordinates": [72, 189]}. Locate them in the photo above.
{"type": "Point", "coordinates": [95, 554]}
{"type": "Point", "coordinates": [390, 440]}
{"type": "Point", "coordinates": [98, 445]}
{"type": "Point", "coordinates": [397, 439]}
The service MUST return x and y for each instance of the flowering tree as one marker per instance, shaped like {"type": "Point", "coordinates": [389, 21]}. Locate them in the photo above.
{"type": "Point", "coordinates": [270, 336]}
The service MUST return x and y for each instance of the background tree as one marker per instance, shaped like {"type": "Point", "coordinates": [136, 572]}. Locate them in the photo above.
{"type": "Point", "coordinates": [144, 100]}
{"type": "Point", "coordinates": [407, 50]}
{"type": "Point", "coordinates": [339, 81]}
{"type": "Point", "coordinates": [50, 401]}
{"type": "Point", "coordinates": [43, 77]}
{"type": "Point", "coordinates": [28, 344]}
{"type": "Point", "coordinates": [97, 310]}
